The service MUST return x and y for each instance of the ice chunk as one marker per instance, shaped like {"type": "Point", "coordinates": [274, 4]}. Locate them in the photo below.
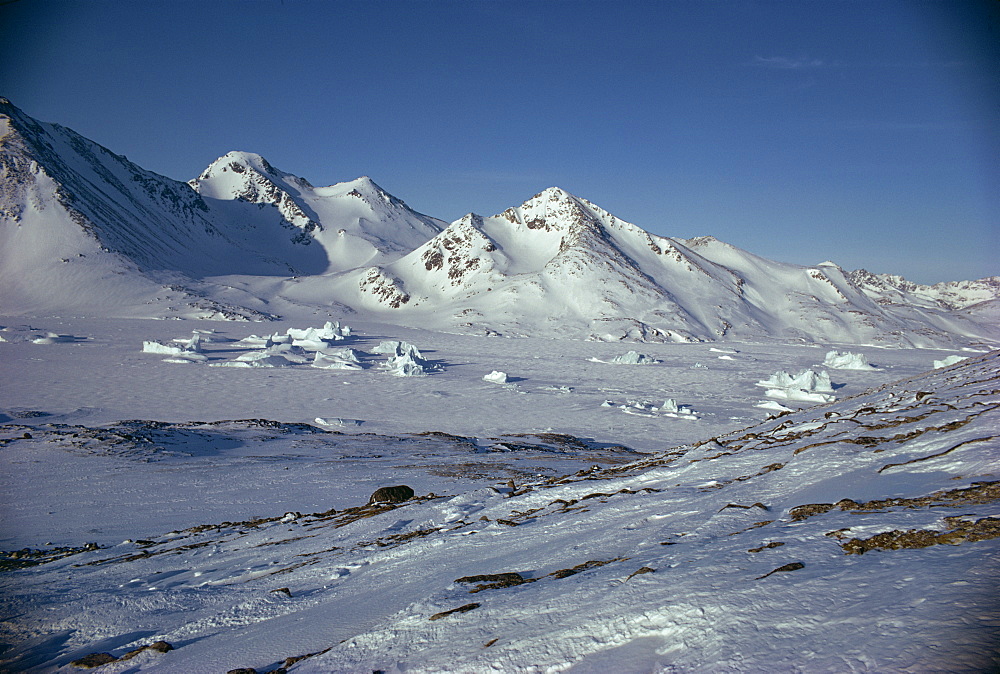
{"type": "Point", "coordinates": [806, 386]}
{"type": "Point", "coordinates": [496, 377]}
{"type": "Point", "coordinates": [253, 341]}
{"type": "Point", "coordinates": [187, 358]}
{"type": "Point", "coordinates": [846, 361]}
{"type": "Point", "coordinates": [256, 359]}
{"type": "Point", "coordinates": [337, 421]}
{"type": "Point", "coordinates": [404, 365]}
{"type": "Point", "coordinates": [773, 405]}
{"type": "Point", "coordinates": [152, 346]}
{"type": "Point", "coordinates": [53, 338]}
{"type": "Point", "coordinates": [329, 332]}
{"type": "Point", "coordinates": [644, 408]}
{"type": "Point", "coordinates": [397, 348]}
{"type": "Point", "coordinates": [633, 358]}
{"type": "Point", "coordinates": [946, 362]}
{"type": "Point", "coordinates": [405, 359]}
{"type": "Point", "coordinates": [192, 343]}
{"type": "Point", "coordinates": [344, 359]}
{"type": "Point", "coordinates": [806, 380]}
{"type": "Point", "coordinates": [670, 408]}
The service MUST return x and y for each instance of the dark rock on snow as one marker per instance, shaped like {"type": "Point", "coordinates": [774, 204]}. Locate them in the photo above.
{"type": "Point", "coordinates": [396, 494]}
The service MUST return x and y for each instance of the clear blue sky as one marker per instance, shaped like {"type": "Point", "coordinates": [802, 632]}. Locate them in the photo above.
{"type": "Point", "coordinates": [863, 132]}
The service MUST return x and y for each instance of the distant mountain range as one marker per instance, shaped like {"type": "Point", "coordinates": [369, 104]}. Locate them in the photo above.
{"type": "Point", "coordinates": [84, 231]}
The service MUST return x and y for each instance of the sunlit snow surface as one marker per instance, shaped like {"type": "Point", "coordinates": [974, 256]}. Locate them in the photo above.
{"type": "Point", "coordinates": [201, 510]}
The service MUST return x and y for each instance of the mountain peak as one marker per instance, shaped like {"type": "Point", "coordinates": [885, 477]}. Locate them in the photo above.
{"type": "Point", "coordinates": [239, 161]}
{"type": "Point", "coordinates": [364, 184]}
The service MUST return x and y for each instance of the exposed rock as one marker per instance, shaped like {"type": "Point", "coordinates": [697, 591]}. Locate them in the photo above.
{"type": "Point", "coordinates": [980, 530]}
{"type": "Point", "coordinates": [396, 494]}
{"type": "Point", "coordinates": [289, 661]}
{"type": "Point", "coordinates": [94, 660]}
{"type": "Point", "coordinates": [744, 507]}
{"type": "Point", "coordinates": [772, 544]}
{"type": "Point", "coordinates": [98, 659]}
{"type": "Point", "coordinates": [794, 566]}
{"type": "Point", "coordinates": [639, 572]}
{"type": "Point", "coordinates": [493, 581]}
{"type": "Point", "coordinates": [592, 564]}
{"type": "Point", "coordinates": [461, 609]}
{"type": "Point", "coordinates": [158, 646]}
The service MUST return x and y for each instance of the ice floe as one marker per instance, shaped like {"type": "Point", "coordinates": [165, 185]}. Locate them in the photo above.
{"type": "Point", "coordinates": [496, 377]}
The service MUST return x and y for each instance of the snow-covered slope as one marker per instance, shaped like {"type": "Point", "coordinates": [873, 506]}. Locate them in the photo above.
{"type": "Point", "coordinates": [558, 264]}
{"type": "Point", "coordinates": [354, 223]}
{"type": "Point", "coordinates": [861, 535]}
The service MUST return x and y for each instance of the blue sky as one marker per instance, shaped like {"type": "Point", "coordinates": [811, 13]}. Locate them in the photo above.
{"type": "Point", "coordinates": [867, 133]}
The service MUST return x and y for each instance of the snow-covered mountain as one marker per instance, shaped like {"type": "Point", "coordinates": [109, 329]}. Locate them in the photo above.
{"type": "Point", "coordinates": [83, 229]}
{"type": "Point", "coordinates": [558, 264]}
{"type": "Point", "coordinates": [87, 231]}
{"type": "Point", "coordinates": [354, 223]}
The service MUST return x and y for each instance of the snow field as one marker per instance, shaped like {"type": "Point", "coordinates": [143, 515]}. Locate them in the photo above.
{"type": "Point", "coordinates": [705, 523]}
{"type": "Point", "coordinates": [559, 388]}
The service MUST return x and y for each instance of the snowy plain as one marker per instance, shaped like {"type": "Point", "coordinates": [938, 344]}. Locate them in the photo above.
{"type": "Point", "coordinates": [243, 542]}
